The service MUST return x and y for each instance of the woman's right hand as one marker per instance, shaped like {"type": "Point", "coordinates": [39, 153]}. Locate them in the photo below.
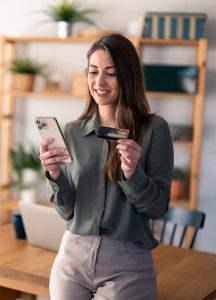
{"type": "Point", "coordinates": [52, 160]}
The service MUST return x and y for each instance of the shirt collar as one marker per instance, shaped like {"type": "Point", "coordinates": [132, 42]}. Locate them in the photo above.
{"type": "Point", "coordinates": [91, 124]}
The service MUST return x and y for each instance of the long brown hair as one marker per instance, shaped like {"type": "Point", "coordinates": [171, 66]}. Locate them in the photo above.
{"type": "Point", "coordinates": [132, 110]}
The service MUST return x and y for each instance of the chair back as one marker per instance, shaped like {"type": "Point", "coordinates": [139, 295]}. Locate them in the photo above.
{"type": "Point", "coordinates": [184, 218]}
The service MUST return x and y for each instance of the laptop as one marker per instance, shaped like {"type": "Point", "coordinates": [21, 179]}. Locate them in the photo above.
{"type": "Point", "coordinates": [43, 226]}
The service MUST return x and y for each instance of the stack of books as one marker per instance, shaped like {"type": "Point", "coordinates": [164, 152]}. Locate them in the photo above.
{"type": "Point", "coordinates": [174, 25]}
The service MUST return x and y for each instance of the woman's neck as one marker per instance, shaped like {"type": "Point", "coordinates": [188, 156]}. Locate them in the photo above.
{"type": "Point", "coordinates": [107, 116]}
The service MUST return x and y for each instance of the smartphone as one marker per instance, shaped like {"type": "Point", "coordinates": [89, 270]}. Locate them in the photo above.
{"type": "Point", "coordinates": [49, 128]}
{"type": "Point", "coordinates": [112, 134]}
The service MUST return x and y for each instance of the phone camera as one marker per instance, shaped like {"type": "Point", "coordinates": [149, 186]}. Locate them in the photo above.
{"type": "Point", "coordinates": [41, 125]}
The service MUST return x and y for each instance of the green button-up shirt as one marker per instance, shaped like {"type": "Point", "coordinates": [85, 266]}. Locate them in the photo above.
{"type": "Point", "coordinates": [92, 205]}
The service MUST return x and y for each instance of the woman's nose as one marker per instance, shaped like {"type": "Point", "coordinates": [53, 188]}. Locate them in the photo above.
{"type": "Point", "coordinates": [100, 79]}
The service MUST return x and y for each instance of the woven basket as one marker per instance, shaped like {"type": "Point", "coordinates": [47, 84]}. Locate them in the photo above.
{"type": "Point", "coordinates": [24, 82]}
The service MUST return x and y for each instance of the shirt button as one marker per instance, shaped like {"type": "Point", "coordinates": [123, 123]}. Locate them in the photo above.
{"type": "Point", "coordinates": [55, 188]}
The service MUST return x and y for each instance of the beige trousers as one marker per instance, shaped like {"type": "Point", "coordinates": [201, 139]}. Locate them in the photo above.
{"type": "Point", "coordinates": [99, 268]}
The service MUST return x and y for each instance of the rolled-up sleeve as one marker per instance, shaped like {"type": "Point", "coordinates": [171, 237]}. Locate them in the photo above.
{"type": "Point", "coordinates": [148, 189]}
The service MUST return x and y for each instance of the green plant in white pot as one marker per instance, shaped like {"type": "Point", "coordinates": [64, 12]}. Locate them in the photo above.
{"type": "Point", "coordinates": [25, 70]}
{"type": "Point", "coordinates": [66, 13]}
{"type": "Point", "coordinates": [27, 171]}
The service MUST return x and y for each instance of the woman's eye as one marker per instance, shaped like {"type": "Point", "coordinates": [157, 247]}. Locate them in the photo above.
{"type": "Point", "coordinates": [92, 72]}
{"type": "Point", "coordinates": [111, 74]}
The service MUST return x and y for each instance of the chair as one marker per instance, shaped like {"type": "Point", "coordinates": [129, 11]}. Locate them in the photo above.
{"type": "Point", "coordinates": [181, 219]}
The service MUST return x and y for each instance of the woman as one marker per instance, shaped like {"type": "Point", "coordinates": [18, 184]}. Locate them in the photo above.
{"type": "Point", "coordinates": [111, 189]}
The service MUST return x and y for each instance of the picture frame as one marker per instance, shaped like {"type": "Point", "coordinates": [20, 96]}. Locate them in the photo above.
{"type": "Point", "coordinates": [135, 26]}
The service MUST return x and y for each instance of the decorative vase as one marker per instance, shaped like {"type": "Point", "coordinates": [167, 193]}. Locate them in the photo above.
{"type": "Point", "coordinates": [28, 195]}
{"type": "Point", "coordinates": [63, 29]}
{"type": "Point", "coordinates": [24, 82]}
{"type": "Point", "coordinates": [30, 179]}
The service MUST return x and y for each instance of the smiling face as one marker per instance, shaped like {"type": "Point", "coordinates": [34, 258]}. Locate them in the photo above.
{"type": "Point", "coordinates": [102, 81]}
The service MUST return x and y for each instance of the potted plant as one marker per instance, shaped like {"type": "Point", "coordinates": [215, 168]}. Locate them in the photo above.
{"type": "Point", "coordinates": [27, 170]}
{"type": "Point", "coordinates": [178, 183]}
{"type": "Point", "coordinates": [25, 70]}
{"type": "Point", "coordinates": [67, 12]}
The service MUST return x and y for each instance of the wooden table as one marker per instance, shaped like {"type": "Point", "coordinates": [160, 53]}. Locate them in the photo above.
{"type": "Point", "coordinates": [182, 274]}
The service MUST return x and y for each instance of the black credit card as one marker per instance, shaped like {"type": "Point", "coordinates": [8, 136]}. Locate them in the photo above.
{"type": "Point", "coordinates": [112, 134]}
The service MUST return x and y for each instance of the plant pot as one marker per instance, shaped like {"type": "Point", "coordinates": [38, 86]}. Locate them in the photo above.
{"type": "Point", "coordinates": [28, 195]}
{"type": "Point", "coordinates": [30, 179]}
{"type": "Point", "coordinates": [24, 82]}
{"type": "Point", "coordinates": [63, 29]}
{"type": "Point", "coordinates": [177, 189]}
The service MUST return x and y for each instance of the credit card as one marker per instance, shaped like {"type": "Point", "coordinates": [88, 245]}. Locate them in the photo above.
{"type": "Point", "coordinates": [113, 134]}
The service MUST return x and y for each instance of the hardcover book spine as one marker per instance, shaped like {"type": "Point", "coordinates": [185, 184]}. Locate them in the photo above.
{"type": "Point", "coordinates": [148, 27]}
{"type": "Point", "coordinates": [199, 28]}
{"type": "Point", "coordinates": [186, 28]}
{"type": "Point", "coordinates": [173, 33]}
{"type": "Point", "coordinates": [161, 27]}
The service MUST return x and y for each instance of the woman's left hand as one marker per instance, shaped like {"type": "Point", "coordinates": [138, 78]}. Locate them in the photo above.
{"type": "Point", "coordinates": [130, 153]}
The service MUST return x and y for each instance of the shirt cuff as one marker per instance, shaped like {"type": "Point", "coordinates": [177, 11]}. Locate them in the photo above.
{"type": "Point", "coordinates": [135, 184]}
{"type": "Point", "coordinates": [55, 184]}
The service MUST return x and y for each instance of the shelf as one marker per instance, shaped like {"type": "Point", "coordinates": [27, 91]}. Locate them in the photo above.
{"type": "Point", "coordinates": [184, 203]}
{"type": "Point", "coordinates": [44, 95]}
{"type": "Point", "coordinates": [28, 39]}
{"type": "Point", "coordinates": [170, 95]}
{"type": "Point", "coordinates": [69, 95]}
{"type": "Point", "coordinates": [182, 143]}
{"type": "Point", "coordinates": [79, 39]}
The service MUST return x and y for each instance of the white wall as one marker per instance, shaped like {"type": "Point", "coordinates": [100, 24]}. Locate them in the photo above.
{"type": "Point", "coordinates": [23, 17]}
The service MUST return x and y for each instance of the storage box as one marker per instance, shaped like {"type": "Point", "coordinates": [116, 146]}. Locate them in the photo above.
{"type": "Point", "coordinates": [52, 86]}
{"type": "Point", "coordinates": [174, 25]}
{"type": "Point", "coordinates": [171, 78]}
{"type": "Point", "coordinates": [79, 85]}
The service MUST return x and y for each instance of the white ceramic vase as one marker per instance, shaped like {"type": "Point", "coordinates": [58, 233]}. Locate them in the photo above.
{"type": "Point", "coordinates": [29, 194]}
{"type": "Point", "coordinates": [63, 29]}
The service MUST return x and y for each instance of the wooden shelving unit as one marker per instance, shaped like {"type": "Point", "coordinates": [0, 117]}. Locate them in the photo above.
{"type": "Point", "coordinates": [201, 46]}
{"type": "Point", "coordinates": [8, 46]}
